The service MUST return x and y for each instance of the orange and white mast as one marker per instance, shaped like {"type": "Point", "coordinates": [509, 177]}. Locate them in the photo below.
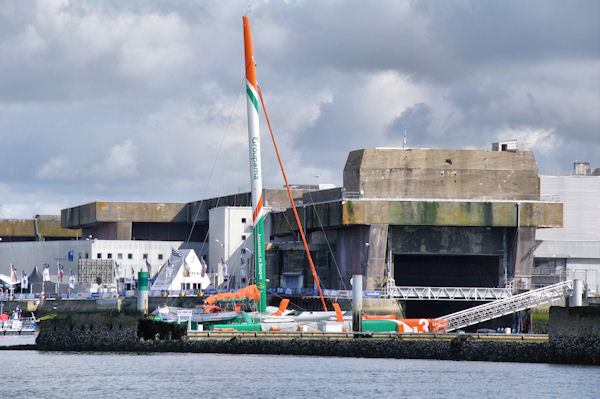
{"type": "Point", "coordinates": [255, 168]}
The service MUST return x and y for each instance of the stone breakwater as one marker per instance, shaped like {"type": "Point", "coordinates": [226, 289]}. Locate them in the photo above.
{"type": "Point", "coordinates": [128, 334]}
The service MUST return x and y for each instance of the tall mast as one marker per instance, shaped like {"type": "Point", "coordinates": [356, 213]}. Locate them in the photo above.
{"type": "Point", "coordinates": [255, 168]}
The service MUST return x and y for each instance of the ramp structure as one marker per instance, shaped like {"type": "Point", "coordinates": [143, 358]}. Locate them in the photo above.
{"type": "Point", "coordinates": [502, 307]}
{"type": "Point", "coordinates": [448, 293]}
{"type": "Point", "coordinates": [444, 293]}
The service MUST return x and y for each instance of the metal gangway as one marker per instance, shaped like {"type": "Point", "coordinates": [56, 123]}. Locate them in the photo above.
{"type": "Point", "coordinates": [502, 307]}
{"type": "Point", "coordinates": [445, 293]}
{"type": "Point", "coordinates": [448, 293]}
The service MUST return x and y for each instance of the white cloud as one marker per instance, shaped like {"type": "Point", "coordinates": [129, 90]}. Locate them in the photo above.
{"type": "Point", "coordinates": [120, 163]}
{"type": "Point", "coordinates": [57, 168]}
{"type": "Point", "coordinates": [542, 141]}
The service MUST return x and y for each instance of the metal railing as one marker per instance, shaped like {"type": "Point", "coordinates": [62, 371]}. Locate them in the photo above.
{"type": "Point", "coordinates": [448, 293]}
{"type": "Point", "coordinates": [502, 307]}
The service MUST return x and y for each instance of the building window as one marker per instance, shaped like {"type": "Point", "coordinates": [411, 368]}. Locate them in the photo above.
{"type": "Point", "coordinates": [119, 256]}
{"type": "Point", "coordinates": [145, 256]}
{"type": "Point", "coordinates": [129, 256]}
{"type": "Point", "coordinates": [109, 256]}
{"type": "Point", "coordinates": [160, 256]}
{"type": "Point", "coordinates": [244, 220]}
{"type": "Point", "coordinates": [182, 286]}
{"type": "Point", "coordinates": [243, 237]}
{"type": "Point", "coordinates": [79, 255]}
{"type": "Point", "coordinates": [87, 256]}
{"type": "Point", "coordinates": [99, 255]}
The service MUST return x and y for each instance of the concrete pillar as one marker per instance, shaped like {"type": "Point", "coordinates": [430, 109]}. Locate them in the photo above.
{"type": "Point", "coordinates": [378, 239]}
{"type": "Point", "coordinates": [524, 259]}
{"type": "Point", "coordinates": [577, 295]}
{"type": "Point", "coordinates": [142, 293]}
{"type": "Point", "coordinates": [357, 284]}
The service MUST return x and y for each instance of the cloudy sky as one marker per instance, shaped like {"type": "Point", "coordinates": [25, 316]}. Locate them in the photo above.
{"type": "Point", "coordinates": [144, 100]}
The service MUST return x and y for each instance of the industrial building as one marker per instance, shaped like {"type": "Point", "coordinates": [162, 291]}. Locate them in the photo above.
{"type": "Point", "coordinates": [425, 217]}
{"type": "Point", "coordinates": [574, 250]}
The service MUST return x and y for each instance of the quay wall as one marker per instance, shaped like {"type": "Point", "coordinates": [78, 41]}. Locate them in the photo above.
{"type": "Point", "coordinates": [574, 322]}
{"type": "Point", "coordinates": [118, 332]}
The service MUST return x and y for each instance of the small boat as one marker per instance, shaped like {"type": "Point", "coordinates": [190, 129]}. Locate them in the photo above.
{"type": "Point", "coordinates": [199, 314]}
{"type": "Point", "coordinates": [17, 324]}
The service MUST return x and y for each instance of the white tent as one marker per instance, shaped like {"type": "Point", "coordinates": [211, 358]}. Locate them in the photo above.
{"type": "Point", "coordinates": [182, 271]}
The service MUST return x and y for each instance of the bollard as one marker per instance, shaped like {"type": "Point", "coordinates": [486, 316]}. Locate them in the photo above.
{"type": "Point", "coordinates": [357, 281]}
{"type": "Point", "coordinates": [142, 293]}
{"type": "Point", "coordinates": [577, 296]}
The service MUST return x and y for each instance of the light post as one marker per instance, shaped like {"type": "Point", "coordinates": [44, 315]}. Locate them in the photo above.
{"type": "Point", "coordinates": [216, 273]}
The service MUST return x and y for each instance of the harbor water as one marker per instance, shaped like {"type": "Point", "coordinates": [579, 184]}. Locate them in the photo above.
{"type": "Point", "coordinates": [32, 373]}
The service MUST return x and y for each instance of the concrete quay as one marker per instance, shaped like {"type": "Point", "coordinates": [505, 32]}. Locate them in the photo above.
{"type": "Point", "coordinates": [121, 333]}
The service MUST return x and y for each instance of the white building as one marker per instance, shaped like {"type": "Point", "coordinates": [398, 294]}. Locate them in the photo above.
{"type": "Point", "coordinates": [131, 255]}
{"type": "Point", "coordinates": [232, 242]}
{"type": "Point", "coordinates": [182, 271]}
{"type": "Point", "coordinates": [572, 251]}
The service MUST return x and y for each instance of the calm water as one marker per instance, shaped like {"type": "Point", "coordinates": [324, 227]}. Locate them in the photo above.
{"type": "Point", "coordinates": [28, 374]}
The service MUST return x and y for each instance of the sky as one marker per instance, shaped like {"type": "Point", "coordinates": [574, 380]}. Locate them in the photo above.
{"type": "Point", "coordinates": [144, 100]}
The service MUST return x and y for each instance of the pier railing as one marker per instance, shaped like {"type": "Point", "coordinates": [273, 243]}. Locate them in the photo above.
{"type": "Point", "coordinates": [502, 307]}
{"type": "Point", "coordinates": [448, 293]}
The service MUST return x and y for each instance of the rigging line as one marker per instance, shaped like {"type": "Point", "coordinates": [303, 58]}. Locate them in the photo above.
{"type": "Point", "coordinates": [312, 265]}
{"type": "Point", "coordinates": [327, 240]}
{"type": "Point", "coordinates": [210, 175]}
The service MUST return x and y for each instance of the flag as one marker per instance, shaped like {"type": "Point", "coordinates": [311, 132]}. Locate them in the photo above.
{"type": "Point", "coordinates": [24, 280]}
{"type": "Point", "coordinates": [13, 273]}
{"type": "Point", "coordinates": [175, 252]}
{"type": "Point", "coordinates": [71, 280]}
{"type": "Point", "coordinates": [61, 273]}
{"type": "Point", "coordinates": [148, 268]}
{"type": "Point", "coordinates": [46, 273]}
{"type": "Point", "coordinates": [117, 273]}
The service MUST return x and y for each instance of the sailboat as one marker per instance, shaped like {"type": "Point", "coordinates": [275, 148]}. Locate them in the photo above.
{"type": "Point", "coordinates": [265, 317]}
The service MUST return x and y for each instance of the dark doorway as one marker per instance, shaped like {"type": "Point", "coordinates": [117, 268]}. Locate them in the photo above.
{"type": "Point", "coordinates": [446, 270]}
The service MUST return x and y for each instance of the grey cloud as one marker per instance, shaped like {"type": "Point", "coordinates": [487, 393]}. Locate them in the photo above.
{"type": "Point", "coordinates": [415, 119]}
{"type": "Point", "coordinates": [480, 70]}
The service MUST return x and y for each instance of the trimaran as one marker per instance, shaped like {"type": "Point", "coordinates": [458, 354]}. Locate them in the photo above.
{"type": "Point", "coordinates": [268, 318]}
{"type": "Point", "coordinates": [267, 315]}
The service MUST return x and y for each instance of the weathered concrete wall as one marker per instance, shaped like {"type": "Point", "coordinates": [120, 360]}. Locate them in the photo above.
{"type": "Point", "coordinates": [536, 214]}
{"type": "Point", "coordinates": [351, 251]}
{"type": "Point", "coordinates": [48, 227]}
{"type": "Point", "coordinates": [97, 212]}
{"type": "Point", "coordinates": [276, 199]}
{"type": "Point", "coordinates": [425, 173]}
{"type": "Point", "coordinates": [420, 213]}
{"type": "Point", "coordinates": [581, 321]}
{"type": "Point", "coordinates": [97, 333]}
{"type": "Point", "coordinates": [446, 240]}
{"type": "Point", "coordinates": [524, 257]}
{"type": "Point", "coordinates": [378, 240]}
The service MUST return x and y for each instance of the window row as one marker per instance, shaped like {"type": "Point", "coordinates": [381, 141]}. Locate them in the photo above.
{"type": "Point", "coordinates": [120, 256]}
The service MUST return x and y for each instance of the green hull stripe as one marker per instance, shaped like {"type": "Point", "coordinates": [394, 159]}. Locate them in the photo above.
{"type": "Point", "coordinates": [259, 262]}
{"type": "Point", "coordinates": [252, 98]}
